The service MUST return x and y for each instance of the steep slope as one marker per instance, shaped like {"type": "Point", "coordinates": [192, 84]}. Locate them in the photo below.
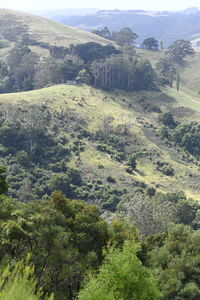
{"type": "Point", "coordinates": [108, 148]}
{"type": "Point", "coordinates": [15, 25]}
{"type": "Point", "coordinates": [130, 118]}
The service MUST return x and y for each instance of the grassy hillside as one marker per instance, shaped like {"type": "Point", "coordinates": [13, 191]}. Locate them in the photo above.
{"type": "Point", "coordinates": [189, 93]}
{"type": "Point", "coordinates": [41, 30]}
{"type": "Point", "coordinates": [151, 55]}
{"type": "Point", "coordinates": [190, 74]}
{"type": "Point", "coordinates": [136, 112]}
{"type": "Point", "coordinates": [51, 32]}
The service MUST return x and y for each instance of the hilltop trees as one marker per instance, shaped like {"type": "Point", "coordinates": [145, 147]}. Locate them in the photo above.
{"type": "Point", "coordinates": [105, 33]}
{"type": "Point", "coordinates": [150, 43]}
{"type": "Point", "coordinates": [124, 36]}
{"type": "Point", "coordinates": [24, 70]}
{"type": "Point", "coordinates": [88, 52]}
{"type": "Point", "coordinates": [168, 67]}
{"type": "Point", "coordinates": [123, 72]}
{"type": "Point", "coordinates": [179, 49]}
{"type": "Point", "coordinates": [22, 65]}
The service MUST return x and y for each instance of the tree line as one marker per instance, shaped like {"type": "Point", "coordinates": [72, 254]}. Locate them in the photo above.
{"type": "Point", "coordinates": [127, 37]}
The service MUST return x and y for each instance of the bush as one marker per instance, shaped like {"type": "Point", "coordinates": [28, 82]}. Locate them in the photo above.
{"type": "Point", "coordinates": [110, 179]}
{"type": "Point", "coordinates": [165, 168]}
{"type": "Point", "coordinates": [151, 191]}
{"type": "Point", "coordinates": [168, 120]}
{"type": "Point", "coordinates": [132, 162]}
{"type": "Point", "coordinates": [111, 203]}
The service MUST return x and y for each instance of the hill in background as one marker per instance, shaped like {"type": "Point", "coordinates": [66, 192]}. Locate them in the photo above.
{"type": "Point", "coordinates": [165, 26]}
{"type": "Point", "coordinates": [15, 24]}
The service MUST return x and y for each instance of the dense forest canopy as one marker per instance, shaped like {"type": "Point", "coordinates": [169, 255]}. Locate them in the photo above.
{"type": "Point", "coordinates": [66, 239]}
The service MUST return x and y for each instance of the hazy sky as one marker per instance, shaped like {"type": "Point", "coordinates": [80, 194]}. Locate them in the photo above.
{"type": "Point", "coordinates": [101, 4]}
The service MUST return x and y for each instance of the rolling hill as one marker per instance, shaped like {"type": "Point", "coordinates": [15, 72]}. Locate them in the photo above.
{"type": "Point", "coordinates": [124, 111]}
{"type": "Point", "coordinates": [97, 152]}
{"type": "Point", "coordinates": [15, 24]}
{"type": "Point", "coordinates": [108, 148]}
{"type": "Point", "coordinates": [164, 26]}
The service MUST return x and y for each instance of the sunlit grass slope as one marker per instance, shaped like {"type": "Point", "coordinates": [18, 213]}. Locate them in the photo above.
{"type": "Point", "coordinates": [51, 32]}
{"type": "Point", "coordinates": [94, 105]}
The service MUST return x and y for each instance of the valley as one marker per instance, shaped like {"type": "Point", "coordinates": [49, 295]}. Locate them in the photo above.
{"type": "Point", "coordinates": [99, 162]}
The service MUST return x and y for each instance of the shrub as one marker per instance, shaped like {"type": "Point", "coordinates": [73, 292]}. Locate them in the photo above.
{"type": "Point", "coordinates": [110, 179]}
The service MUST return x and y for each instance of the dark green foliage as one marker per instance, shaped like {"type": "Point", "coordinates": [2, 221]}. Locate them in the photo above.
{"type": "Point", "coordinates": [123, 72]}
{"type": "Point", "coordinates": [5, 82]}
{"type": "Point", "coordinates": [22, 63]}
{"type": "Point", "coordinates": [124, 36]}
{"type": "Point", "coordinates": [60, 182]}
{"type": "Point", "coordinates": [186, 136]}
{"type": "Point", "coordinates": [129, 170]}
{"type": "Point", "coordinates": [104, 195]}
{"type": "Point", "coordinates": [111, 203]}
{"type": "Point", "coordinates": [167, 119]}
{"type": "Point", "coordinates": [150, 43]}
{"type": "Point", "coordinates": [186, 210]}
{"type": "Point", "coordinates": [168, 66]}
{"type": "Point", "coordinates": [90, 63]}
{"type": "Point", "coordinates": [132, 162]}
{"type": "Point", "coordinates": [151, 191]}
{"type": "Point", "coordinates": [166, 70]}
{"type": "Point", "coordinates": [34, 148]}
{"type": "Point", "coordinates": [176, 264]}
{"type": "Point", "coordinates": [65, 182]}
{"type": "Point", "coordinates": [3, 182]}
{"type": "Point", "coordinates": [91, 51]}
{"type": "Point", "coordinates": [110, 179]}
{"type": "Point", "coordinates": [165, 168]}
{"type": "Point", "coordinates": [66, 239]}
{"type": "Point", "coordinates": [27, 40]}
{"type": "Point", "coordinates": [58, 52]}
{"type": "Point", "coordinates": [179, 49]}
{"type": "Point", "coordinates": [68, 70]}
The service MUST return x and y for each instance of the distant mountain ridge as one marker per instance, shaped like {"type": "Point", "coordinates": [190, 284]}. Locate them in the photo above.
{"type": "Point", "coordinates": [51, 13]}
{"type": "Point", "coordinates": [166, 26]}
